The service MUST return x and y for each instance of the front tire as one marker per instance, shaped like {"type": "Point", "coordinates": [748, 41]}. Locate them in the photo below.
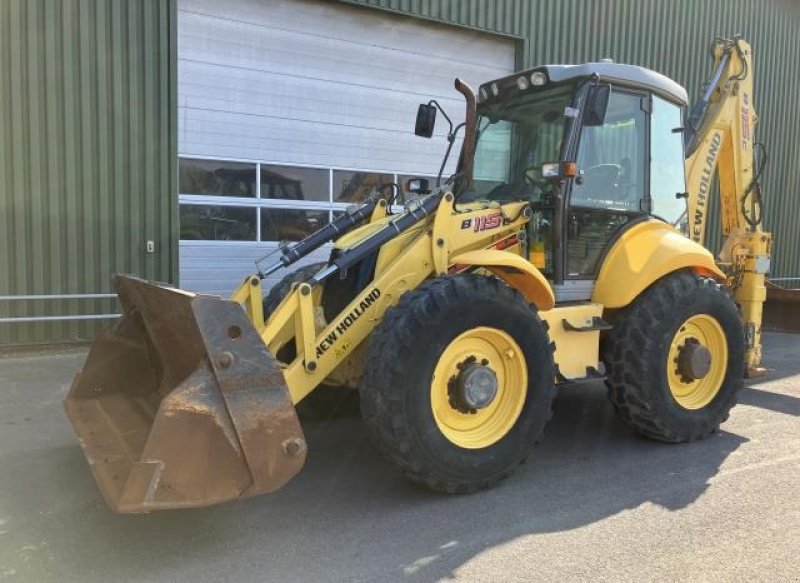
{"type": "Point", "coordinates": [418, 363]}
{"type": "Point", "coordinates": [675, 359]}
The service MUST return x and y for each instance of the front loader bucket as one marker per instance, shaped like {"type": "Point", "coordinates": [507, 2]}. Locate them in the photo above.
{"type": "Point", "coordinates": [182, 405]}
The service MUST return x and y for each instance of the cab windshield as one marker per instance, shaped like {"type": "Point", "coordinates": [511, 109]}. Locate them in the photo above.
{"type": "Point", "coordinates": [515, 137]}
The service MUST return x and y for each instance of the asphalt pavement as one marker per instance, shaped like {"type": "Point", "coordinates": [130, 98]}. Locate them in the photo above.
{"type": "Point", "coordinates": [594, 502]}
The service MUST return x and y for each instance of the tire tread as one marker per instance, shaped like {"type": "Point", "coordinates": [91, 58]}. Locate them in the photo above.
{"type": "Point", "coordinates": [381, 399]}
{"type": "Point", "coordinates": [626, 349]}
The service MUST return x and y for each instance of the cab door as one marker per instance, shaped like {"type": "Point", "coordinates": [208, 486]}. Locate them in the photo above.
{"type": "Point", "coordinates": [609, 190]}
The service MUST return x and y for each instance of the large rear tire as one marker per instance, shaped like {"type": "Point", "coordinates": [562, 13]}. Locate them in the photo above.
{"type": "Point", "coordinates": [449, 337]}
{"type": "Point", "coordinates": [675, 359]}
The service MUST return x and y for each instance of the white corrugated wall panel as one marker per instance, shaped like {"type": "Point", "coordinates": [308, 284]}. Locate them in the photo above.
{"type": "Point", "coordinates": [314, 83]}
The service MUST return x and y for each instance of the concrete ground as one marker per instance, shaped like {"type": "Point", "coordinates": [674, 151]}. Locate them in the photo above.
{"type": "Point", "coordinates": [593, 503]}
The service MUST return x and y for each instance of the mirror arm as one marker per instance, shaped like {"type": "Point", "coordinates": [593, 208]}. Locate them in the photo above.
{"type": "Point", "coordinates": [444, 113]}
{"type": "Point", "coordinates": [451, 138]}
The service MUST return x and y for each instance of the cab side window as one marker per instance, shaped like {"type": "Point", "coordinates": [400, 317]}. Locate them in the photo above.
{"type": "Point", "coordinates": [611, 165]}
{"type": "Point", "coordinates": [667, 170]}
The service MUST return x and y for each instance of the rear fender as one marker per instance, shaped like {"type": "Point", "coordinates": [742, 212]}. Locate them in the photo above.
{"type": "Point", "coordinates": [515, 271]}
{"type": "Point", "coordinates": [644, 253]}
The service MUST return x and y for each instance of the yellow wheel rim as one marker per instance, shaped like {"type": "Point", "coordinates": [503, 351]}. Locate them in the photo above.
{"type": "Point", "coordinates": [483, 427]}
{"type": "Point", "coordinates": [696, 393]}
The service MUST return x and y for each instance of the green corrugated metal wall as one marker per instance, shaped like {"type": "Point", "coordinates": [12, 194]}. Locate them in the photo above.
{"type": "Point", "coordinates": [670, 36]}
{"type": "Point", "coordinates": [87, 155]}
{"type": "Point", "coordinates": [88, 135]}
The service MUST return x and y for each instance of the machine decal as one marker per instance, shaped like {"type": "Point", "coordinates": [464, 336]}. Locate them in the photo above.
{"type": "Point", "coordinates": [483, 222]}
{"type": "Point", "coordinates": [745, 121]}
{"type": "Point", "coordinates": [705, 186]}
{"type": "Point", "coordinates": [348, 321]}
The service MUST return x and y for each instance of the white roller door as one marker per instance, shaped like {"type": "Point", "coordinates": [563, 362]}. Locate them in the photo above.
{"type": "Point", "coordinates": [288, 110]}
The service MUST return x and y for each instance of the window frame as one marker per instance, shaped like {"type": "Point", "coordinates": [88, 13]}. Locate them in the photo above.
{"type": "Point", "coordinates": [258, 202]}
{"type": "Point", "coordinates": [682, 109]}
{"type": "Point", "coordinates": [646, 106]}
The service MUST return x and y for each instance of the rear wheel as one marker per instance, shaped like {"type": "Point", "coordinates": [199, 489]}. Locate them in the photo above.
{"type": "Point", "coordinates": [675, 359]}
{"type": "Point", "coordinates": [458, 383]}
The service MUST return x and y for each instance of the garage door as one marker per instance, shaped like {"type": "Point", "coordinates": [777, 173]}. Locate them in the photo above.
{"type": "Point", "coordinates": [291, 110]}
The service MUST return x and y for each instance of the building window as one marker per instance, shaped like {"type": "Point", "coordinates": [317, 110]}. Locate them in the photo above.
{"type": "Point", "coordinates": [212, 177]}
{"type": "Point", "coordinates": [350, 186]}
{"type": "Point", "coordinates": [292, 183]}
{"type": "Point", "coordinates": [217, 223]}
{"type": "Point", "coordinates": [229, 200]}
{"type": "Point", "coordinates": [290, 225]}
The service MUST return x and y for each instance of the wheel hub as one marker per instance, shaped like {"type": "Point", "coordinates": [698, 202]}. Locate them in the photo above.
{"type": "Point", "coordinates": [694, 361]}
{"type": "Point", "coordinates": [476, 386]}
{"type": "Point", "coordinates": [479, 387]}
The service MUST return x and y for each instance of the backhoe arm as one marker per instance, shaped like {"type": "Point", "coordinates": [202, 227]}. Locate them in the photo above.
{"type": "Point", "coordinates": [720, 138]}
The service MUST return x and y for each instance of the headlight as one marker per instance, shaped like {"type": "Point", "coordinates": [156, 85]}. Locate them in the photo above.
{"type": "Point", "coordinates": [495, 90]}
{"type": "Point", "coordinates": [538, 78]}
{"type": "Point", "coordinates": [482, 94]}
{"type": "Point", "coordinates": [522, 83]}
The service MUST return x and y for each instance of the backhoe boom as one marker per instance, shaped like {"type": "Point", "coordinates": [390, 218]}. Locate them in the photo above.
{"type": "Point", "coordinates": [720, 139]}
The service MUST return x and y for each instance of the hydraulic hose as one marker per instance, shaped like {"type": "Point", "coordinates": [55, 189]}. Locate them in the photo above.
{"type": "Point", "coordinates": [418, 211]}
{"type": "Point", "coordinates": [700, 108]}
{"type": "Point", "coordinates": [339, 226]}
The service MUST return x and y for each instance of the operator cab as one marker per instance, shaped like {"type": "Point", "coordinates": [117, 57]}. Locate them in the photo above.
{"type": "Point", "coordinates": [595, 148]}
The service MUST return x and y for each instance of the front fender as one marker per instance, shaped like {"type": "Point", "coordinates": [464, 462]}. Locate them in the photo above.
{"type": "Point", "coordinates": [515, 271]}
{"type": "Point", "coordinates": [644, 253]}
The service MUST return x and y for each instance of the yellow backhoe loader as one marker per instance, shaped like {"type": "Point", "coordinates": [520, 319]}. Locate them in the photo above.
{"type": "Point", "coordinates": [553, 255]}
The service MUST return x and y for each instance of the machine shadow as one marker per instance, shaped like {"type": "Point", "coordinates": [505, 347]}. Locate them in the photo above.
{"type": "Point", "coordinates": [780, 358]}
{"type": "Point", "coordinates": [588, 467]}
{"type": "Point", "coordinates": [778, 402]}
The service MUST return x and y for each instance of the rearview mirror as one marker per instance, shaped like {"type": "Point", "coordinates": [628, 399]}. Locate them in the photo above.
{"type": "Point", "coordinates": [426, 119]}
{"type": "Point", "coordinates": [594, 113]}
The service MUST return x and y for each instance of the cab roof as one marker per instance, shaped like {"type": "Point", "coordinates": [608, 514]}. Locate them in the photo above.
{"type": "Point", "coordinates": [607, 71]}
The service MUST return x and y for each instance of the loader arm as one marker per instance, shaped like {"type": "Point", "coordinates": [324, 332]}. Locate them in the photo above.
{"type": "Point", "coordinates": [428, 249]}
{"type": "Point", "coordinates": [720, 138]}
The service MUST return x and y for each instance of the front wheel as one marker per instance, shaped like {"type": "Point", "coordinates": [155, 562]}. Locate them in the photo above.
{"type": "Point", "coordinates": [458, 383]}
{"type": "Point", "coordinates": [675, 359]}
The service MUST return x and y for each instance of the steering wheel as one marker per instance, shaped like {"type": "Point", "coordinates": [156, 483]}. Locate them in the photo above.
{"type": "Point", "coordinates": [503, 193]}
{"type": "Point", "coordinates": [605, 172]}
